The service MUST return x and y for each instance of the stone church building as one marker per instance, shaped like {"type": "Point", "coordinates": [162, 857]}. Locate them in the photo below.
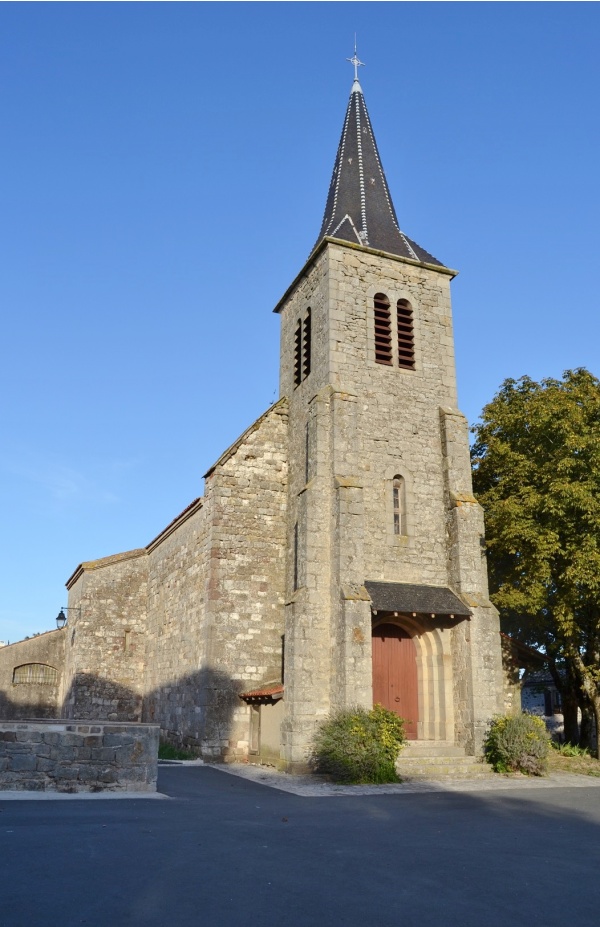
{"type": "Point", "coordinates": [335, 557]}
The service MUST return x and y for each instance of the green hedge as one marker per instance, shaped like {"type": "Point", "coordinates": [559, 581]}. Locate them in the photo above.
{"type": "Point", "coordinates": [359, 746]}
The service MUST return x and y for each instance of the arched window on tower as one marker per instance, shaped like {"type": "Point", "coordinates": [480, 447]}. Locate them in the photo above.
{"type": "Point", "coordinates": [383, 329]}
{"type": "Point", "coordinates": [406, 338]}
{"type": "Point", "coordinates": [399, 504]}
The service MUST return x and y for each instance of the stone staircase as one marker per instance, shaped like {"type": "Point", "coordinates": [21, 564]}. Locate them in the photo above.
{"type": "Point", "coordinates": [438, 759]}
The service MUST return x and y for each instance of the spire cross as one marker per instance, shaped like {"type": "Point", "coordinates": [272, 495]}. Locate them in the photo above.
{"type": "Point", "coordinates": [356, 62]}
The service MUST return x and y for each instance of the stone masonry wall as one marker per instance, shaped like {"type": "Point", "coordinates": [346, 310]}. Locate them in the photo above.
{"type": "Point", "coordinates": [245, 499]}
{"type": "Point", "coordinates": [176, 636]}
{"type": "Point", "coordinates": [105, 648]}
{"type": "Point", "coordinates": [215, 597]}
{"type": "Point", "coordinates": [31, 699]}
{"type": "Point", "coordinates": [69, 756]}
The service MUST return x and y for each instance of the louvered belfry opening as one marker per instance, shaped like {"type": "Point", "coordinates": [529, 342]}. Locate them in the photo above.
{"type": "Point", "coordinates": [302, 349]}
{"type": "Point", "coordinates": [298, 354]}
{"type": "Point", "coordinates": [406, 339]}
{"type": "Point", "coordinates": [383, 329]}
{"type": "Point", "coordinates": [306, 346]}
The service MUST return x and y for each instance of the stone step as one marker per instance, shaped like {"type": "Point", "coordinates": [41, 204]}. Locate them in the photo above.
{"type": "Point", "coordinates": [442, 767]}
{"type": "Point", "coordinates": [431, 748]}
{"type": "Point", "coordinates": [463, 760]}
{"type": "Point", "coordinates": [481, 771]}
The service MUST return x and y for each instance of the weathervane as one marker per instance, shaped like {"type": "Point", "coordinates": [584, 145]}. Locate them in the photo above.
{"type": "Point", "coordinates": [355, 61]}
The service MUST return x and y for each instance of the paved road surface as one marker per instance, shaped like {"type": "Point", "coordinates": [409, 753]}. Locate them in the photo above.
{"type": "Point", "coordinates": [228, 851]}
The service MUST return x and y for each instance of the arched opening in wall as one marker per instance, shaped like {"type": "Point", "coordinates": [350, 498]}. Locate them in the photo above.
{"type": "Point", "coordinates": [35, 674]}
{"type": "Point", "coordinates": [399, 504]}
{"type": "Point", "coordinates": [383, 329]}
{"type": "Point", "coordinates": [412, 661]}
{"type": "Point", "coordinates": [406, 337]}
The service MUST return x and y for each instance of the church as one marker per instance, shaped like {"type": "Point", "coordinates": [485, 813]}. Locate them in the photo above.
{"type": "Point", "coordinates": [336, 556]}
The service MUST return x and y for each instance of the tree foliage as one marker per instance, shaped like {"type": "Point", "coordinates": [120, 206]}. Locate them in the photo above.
{"type": "Point", "coordinates": [536, 471]}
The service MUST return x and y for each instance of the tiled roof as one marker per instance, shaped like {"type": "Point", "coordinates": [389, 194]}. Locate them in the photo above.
{"type": "Point", "coordinates": [359, 206]}
{"type": "Point", "coordinates": [274, 691]}
{"type": "Point", "coordinates": [420, 600]}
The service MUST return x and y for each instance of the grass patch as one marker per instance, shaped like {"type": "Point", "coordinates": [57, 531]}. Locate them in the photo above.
{"type": "Point", "coordinates": [582, 765]}
{"type": "Point", "coordinates": [169, 752]}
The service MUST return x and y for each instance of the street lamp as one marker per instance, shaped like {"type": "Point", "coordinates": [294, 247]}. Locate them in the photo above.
{"type": "Point", "coordinates": [61, 618]}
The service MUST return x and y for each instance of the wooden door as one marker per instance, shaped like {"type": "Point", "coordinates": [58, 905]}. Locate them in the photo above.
{"type": "Point", "coordinates": [395, 674]}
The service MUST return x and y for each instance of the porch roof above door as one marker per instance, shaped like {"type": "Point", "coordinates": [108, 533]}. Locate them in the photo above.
{"type": "Point", "coordinates": [413, 599]}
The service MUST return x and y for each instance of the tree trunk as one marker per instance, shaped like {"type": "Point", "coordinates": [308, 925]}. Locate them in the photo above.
{"type": "Point", "coordinates": [596, 707]}
{"type": "Point", "coordinates": [588, 724]}
{"type": "Point", "coordinates": [569, 692]}
{"type": "Point", "coordinates": [571, 724]}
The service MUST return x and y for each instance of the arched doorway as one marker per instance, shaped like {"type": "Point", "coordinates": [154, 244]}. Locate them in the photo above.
{"type": "Point", "coordinates": [395, 683]}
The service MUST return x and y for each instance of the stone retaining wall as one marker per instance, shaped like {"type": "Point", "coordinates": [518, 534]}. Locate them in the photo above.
{"type": "Point", "coordinates": [72, 756]}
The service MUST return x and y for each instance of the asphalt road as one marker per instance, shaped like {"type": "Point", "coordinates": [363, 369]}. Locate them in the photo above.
{"type": "Point", "coordinates": [225, 851]}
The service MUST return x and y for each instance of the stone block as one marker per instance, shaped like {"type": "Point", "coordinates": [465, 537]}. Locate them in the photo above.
{"type": "Point", "coordinates": [71, 740]}
{"type": "Point", "coordinates": [62, 754]}
{"type": "Point", "coordinates": [117, 739]}
{"type": "Point", "coordinates": [66, 772]}
{"type": "Point", "coordinates": [92, 741]}
{"type": "Point", "coordinates": [103, 754]}
{"type": "Point", "coordinates": [33, 737]}
{"type": "Point", "coordinates": [107, 775]}
{"type": "Point", "coordinates": [22, 763]}
{"type": "Point", "coordinates": [45, 765]}
{"type": "Point", "coordinates": [11, 749]}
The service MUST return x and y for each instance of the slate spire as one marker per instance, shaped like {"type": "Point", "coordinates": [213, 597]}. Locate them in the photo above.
{"type": "Point", "coordinates": [359, 207]}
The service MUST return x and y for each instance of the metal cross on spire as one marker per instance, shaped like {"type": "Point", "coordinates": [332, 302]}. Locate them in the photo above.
{"type": "Point", "coordinates": [355, 61]}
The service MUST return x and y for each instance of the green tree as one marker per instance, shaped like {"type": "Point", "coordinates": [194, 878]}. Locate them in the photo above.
{"type": "Point", "coordinates": [536, 471]}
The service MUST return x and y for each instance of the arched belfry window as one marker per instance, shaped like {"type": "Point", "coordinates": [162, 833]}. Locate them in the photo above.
{"type": "Point", "coordinates": [399, 504]}
{"type": "Point", "coordinates": [383, 329]}
{"type": "Point", "coordinates": [406, 338]}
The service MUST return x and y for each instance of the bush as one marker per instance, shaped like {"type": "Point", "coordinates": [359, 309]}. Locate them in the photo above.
{"type": "Point", "coordinates": [570, 749]}
{"type": "Point", "coordinates": [167, 751]}
{"type": "Point", "coordinates": [359, 746]}
{"type": "Point", "coordinates": [518, 743]}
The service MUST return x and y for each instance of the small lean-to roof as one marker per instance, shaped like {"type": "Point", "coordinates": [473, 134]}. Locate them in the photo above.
{"type": "Point", "coordinates": [274, 692]}
{"type": "Point", "coordinates": [412, 599]}
{"type": "Point", "coordinates": [359, 206]}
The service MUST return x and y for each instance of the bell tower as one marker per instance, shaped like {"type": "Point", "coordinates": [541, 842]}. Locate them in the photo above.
{"type": "Point", "coordinates": [386, 593]}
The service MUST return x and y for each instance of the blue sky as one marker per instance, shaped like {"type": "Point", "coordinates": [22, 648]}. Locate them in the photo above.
{"type": "Point", "coordinates": [165, 169]}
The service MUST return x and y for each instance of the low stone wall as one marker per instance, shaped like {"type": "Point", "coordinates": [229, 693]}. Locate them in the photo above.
{"type": "Point", "coordinates": [74, 756]}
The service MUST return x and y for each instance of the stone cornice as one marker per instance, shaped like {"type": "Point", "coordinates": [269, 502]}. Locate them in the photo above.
{"type": "Point", "coordinates": [438, 268]}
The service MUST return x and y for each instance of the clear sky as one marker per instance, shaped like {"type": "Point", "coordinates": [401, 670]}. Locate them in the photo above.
{"type": "Point", "coordinates": [164, 172]}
